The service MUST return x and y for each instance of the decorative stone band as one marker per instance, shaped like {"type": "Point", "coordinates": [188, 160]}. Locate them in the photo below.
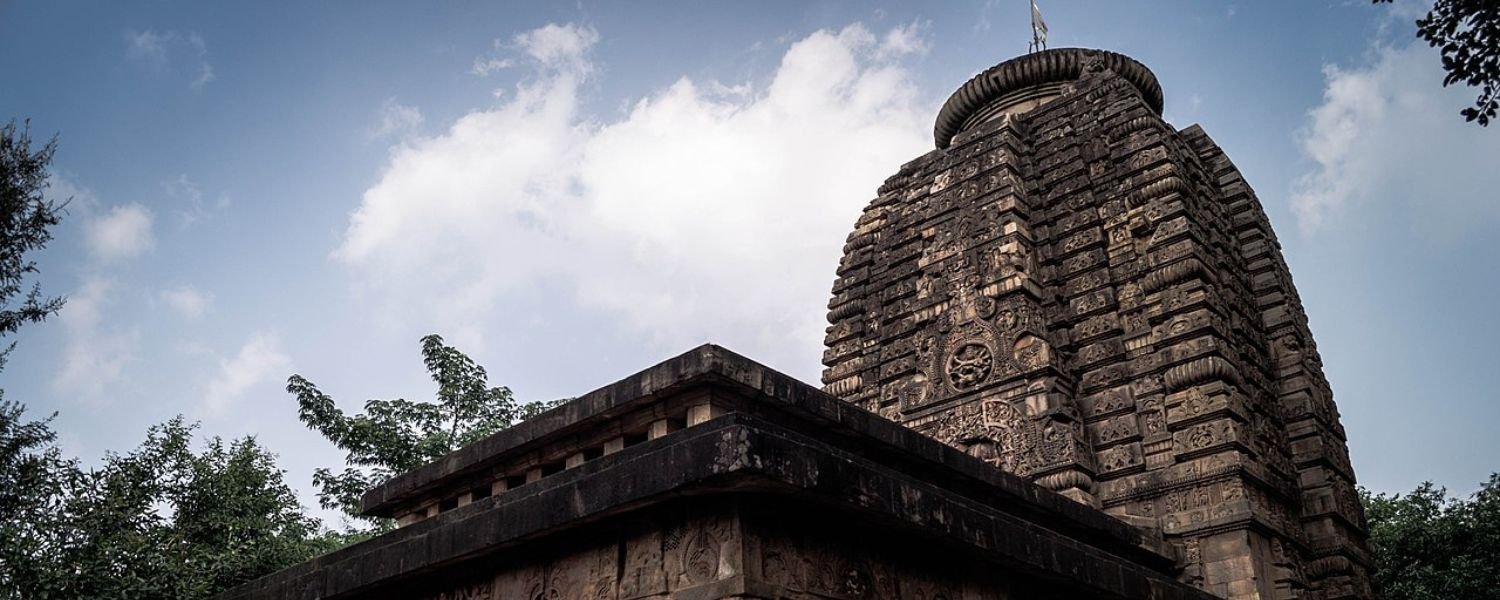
{"type": "Point", "coordinates": [1176, 272]}
{"type": "Point", "coordinates": [1136, 124]}
{"type": "Point", "coordinates": [845, 310]}
{"type": "Point", "coordinates": [1039, 73]}
{"type": "Point", "coordinates": [1328, 565]}
{"type": "Point", "coordinates": [1212, 368]}
{"type": "Point", "coordinates": [843, 387]}
{"type": "Point", "coordinates": [1160, 188]}
{"type": "Point", "coordinates": [1067, 479]}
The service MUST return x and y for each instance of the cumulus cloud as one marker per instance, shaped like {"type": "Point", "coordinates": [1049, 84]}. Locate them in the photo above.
{"type": "Point", "coordinates": [697, 215]}
{"type": "Point", "coordinates": [188, 301]}
{"type": "Point", "coordinates": [122, 232]}
{"type": "Point", "coordinates": [259, 360]}
{"type": "Point", "coordinates": [162, 51]}
{"type": "Point", "coordinates": [94, 355]}
{"type": "Point", "coordinates": [1386, 137]}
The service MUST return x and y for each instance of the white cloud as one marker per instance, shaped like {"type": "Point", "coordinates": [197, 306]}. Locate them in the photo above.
{"type": "Point", "coordinates": [124, 232]}
{"type": "Point", "coordinates": [148, 47]}
{"type": "Point", "coordinates": [485, 65]}
{"type": "Point", "coordinates": [561, 46]}
{"type": "Point", "coordinates": [188, 301]}
{"type": "Point", "coordinates": [259, 360]}
{"type": "Point", "coordinates": [397, 119]}
{"type": "Point", "coordinates": [553, 46]}
{"type": "Point", "coordinates": [205, 71]}
{"type": "Point", "coordinates": [94, 356]}
{"type": "Point", "coordinates": [193, 206]}
{"type": "Point", "coordinates": [156, 50]}
{"type": "Point", "coordinates": [63, 190]}
{"type": "Point", "coordinates": [697, 216]}
{"type": "Point", "coordinates": [901, 41]}
{"type": "Point", "coordinates": [1388, 137]}
{"type": "Point", "coordinates": [983, 24]}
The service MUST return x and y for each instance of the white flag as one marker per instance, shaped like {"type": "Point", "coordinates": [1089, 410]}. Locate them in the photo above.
{"type": "Point", "coordinates": [1038, 26]}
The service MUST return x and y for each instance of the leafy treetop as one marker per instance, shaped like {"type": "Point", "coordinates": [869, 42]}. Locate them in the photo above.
{"type": "Point", "coordinates": [25, 218]}
{"type": "Point", "coordinates": [1429, 546]}
{"type": "Point", "coordinates": [1468, 34]}
{"type": "Point", "coordinates": [393, 436]}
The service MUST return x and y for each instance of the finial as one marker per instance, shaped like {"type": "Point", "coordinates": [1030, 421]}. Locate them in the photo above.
{"type": "Point", "coordinates": [1038, 29]}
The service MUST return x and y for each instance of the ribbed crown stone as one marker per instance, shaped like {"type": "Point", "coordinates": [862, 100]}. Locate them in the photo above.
{"type": "Point", "coordinates": [1026, 82]}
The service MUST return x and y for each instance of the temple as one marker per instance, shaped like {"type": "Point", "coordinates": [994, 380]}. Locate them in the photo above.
{"type": "Point", "coordinates": [1065, 360]}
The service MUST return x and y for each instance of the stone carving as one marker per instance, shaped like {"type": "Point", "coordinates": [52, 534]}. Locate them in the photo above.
{"type": "Point", "coordinates": [641, 569]}
{"type": "Point", "coordinates": [1065, 239]}
{"type": "Point", "coordinates": [1032, 353]}
{"type": "Point", "coordinates": [996, 432]}
{"type": "Point", "coordinates": [970, 365]}
{"type": "Point", "coordinates": [701, 558]}
{"type": "Point", "coordinates": [698, 551]}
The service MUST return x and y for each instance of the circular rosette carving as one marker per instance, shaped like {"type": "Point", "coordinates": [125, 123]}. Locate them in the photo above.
{"type": "Point", "coordinates": [969, 365]}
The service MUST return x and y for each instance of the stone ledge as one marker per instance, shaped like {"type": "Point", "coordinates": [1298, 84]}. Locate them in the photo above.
{"type": "Point", "coordinates": [752, 388]}
{"type": "Point", "coordinates": [735, 455]}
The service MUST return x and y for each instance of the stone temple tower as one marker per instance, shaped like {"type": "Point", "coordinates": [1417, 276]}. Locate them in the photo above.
{"type": "Point", "coordinates": [1079, 293]}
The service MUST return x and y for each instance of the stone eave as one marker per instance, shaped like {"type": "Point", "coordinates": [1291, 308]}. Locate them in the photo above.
{"type": "Point", "coordinates": [733, 455]}
{"type": "Point", "coordinates": [767, 393]}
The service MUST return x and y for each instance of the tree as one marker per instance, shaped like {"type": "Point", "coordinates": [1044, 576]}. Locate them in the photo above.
{"type": "Point", "coordinates": [33, 480]}
{"type": "Point", "coordinates": [234, 518]}
{"type": "Point", "coordinates": [1468, 34]}
{"type": "Point", "coordinates": [161, 521]}
{"type": "Point", "coordinates": [1429, 546]}
{"type": "Point", "coordinates": [394, 436]}
{"type": "Point", "coordinates": [33, 472]}
{"type": "Point", "coordinates": [26, 217]}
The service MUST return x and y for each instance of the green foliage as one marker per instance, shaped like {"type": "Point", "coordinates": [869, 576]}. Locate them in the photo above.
{"type": "Point", "coordinates": [162, 521]}
{"type": "Point", "coordinates": [1468, 34]}
{"type": "Point", "coordinates": [1429, 546]}
{"type": "Point", "coordinates": [33, 479]}
{"type": "Point", "coordinates": [25, 221]}
{"type": "Point", "coordinates": [394, 436]}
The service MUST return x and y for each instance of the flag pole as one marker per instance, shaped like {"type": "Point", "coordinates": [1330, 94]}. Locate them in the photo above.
{"type": "Point", "coordinates": [1038, 29]}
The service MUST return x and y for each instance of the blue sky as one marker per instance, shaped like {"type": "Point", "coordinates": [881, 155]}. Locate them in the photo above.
{"type": "Point", "coordinates": [571, 192]}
